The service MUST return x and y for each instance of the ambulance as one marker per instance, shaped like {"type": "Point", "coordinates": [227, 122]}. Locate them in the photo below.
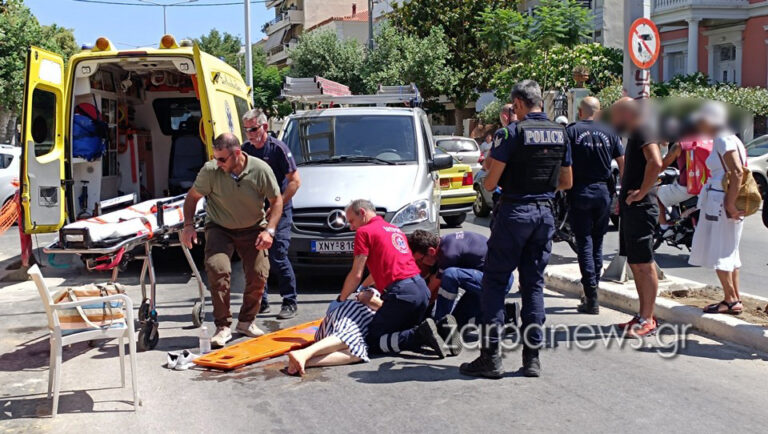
{"type": "Point", "coordinates": [158, 111]}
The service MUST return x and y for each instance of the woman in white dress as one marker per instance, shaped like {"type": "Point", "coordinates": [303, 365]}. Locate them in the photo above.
{"type": "Point", "coordinates": [718, 232]}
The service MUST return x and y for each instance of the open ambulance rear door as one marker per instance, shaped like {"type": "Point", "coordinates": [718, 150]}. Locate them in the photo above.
{"type": "Point", "coordinates": [43, 153]}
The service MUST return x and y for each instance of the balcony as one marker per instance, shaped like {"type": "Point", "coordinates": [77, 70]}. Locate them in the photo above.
{"type": "Point", "coordinates": [676, 12]}
{"type": "Point", "coordinates": [285, 19]}
{"type": "Point", "coordinates": [273, 3]}
{"type": "Point", "coordinates": [279, 54]}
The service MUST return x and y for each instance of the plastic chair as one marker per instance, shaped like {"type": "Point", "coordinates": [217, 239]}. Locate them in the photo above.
{"type": "Point", "coordinates": [58, 340]}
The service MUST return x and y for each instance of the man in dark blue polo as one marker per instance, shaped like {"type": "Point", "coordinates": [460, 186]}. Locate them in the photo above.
{"type": "Point", "coordinates": [530, 161]}
{"type": "Point", "coordinates": [593, 146]}
{"type": "Point", "coordinates": [277, 155]}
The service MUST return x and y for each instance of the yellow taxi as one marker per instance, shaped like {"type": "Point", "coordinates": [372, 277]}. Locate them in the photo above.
{"type": "Point", "coordinates": [456, 192]}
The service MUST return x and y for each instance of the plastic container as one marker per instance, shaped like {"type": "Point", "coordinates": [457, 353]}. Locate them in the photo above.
{"type": "Point", "coordinates": [205, 340]}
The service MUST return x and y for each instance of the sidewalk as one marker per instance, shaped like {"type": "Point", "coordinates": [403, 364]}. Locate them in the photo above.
{"type": "Point", "coordinates": [708, 387]}
{"type": "Point", "coordinates": [566, 279]}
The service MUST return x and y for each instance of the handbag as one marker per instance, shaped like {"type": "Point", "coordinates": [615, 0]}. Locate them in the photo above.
{"type": "Point", "coordinates": [748, 199]}
{"type": "Point", "coordinates": [91, 316]}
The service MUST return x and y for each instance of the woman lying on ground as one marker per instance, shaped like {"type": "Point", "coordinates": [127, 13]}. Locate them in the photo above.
{"type": "Point", "coordinates": [340, 339]}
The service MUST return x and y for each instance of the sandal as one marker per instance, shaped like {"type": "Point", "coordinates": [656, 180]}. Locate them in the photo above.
{"type": "Point", "coordinates": [715, 308]}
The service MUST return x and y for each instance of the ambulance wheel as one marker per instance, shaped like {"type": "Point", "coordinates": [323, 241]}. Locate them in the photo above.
{"type": "Point", "coordinates": [144, 310]}
{"type": "Point", "coordinates": [148, 337]}
{"type": "Point", "coordinates": [198, 314]}
{"type": "Point", "coordinates": [455, 221]}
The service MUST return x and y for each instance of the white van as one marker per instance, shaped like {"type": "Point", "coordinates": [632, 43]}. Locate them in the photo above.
{"type": "Point", "coordinates": [383, 154]}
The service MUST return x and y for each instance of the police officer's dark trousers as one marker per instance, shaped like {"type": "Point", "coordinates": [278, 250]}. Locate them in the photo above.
{"type": "Point", "coordinates": [393, 328]}
{"type": "Point", "coordinates": [589, 214]}
{"type": "Point", "coordinates": [279, 264]}
{"type": "Point", "coordinates": [521, 238]}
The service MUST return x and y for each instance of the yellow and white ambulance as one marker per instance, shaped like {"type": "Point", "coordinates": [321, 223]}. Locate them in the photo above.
{"type": "Point", "coordinates": [160, 109]}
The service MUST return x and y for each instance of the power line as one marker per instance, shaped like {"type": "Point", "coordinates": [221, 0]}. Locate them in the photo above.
{"type": "Point", "coordinates": [123, 3]}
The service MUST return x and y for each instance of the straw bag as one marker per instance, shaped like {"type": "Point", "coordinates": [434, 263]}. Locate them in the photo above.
{"type": "Point", "coordinates": [749, 198]}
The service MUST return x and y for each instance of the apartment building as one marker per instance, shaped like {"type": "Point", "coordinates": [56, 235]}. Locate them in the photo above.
{"type": "Point", "coordinates": [291, 19]}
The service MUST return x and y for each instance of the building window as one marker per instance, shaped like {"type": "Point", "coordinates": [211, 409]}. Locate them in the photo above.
{"type": "Point", "coordinates": [676, 63]}
{"type": "Point", "coordinates": [727, 53]}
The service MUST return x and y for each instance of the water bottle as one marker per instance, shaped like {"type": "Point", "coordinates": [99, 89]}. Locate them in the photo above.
{"type": "Point", "coordinates": [205, 340]}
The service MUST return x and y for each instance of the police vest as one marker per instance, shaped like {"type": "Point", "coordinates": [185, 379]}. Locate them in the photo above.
{"type": "Point", "coordinates": [534, 165]}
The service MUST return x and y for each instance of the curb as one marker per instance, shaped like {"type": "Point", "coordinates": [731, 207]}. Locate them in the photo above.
{"type": "Point", "coordinates": [623, 296]}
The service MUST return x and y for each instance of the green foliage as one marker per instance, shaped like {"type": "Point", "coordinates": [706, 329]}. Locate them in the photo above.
{"type": "Point", "coordinates": [610, 94]}
{"type": "Point", "coordinates": [665, 88]}
{"type": "Point", "coordinates": [750, 99]}
{"type": "Point", "coordinates": [400, 59]}
{"type": "Point", "coordinates": [267, 84]}
{"type": "Point", "coordinates": [491, 112]}
{"type": "Point", "coordinates": [473, 60]}
{"type": "Point", "coordinates": [19, 30]}
{"type": "Point", "coordinates": [222, 45]}
{"type": "Point", "coordinates": [558, 22]}
{"type": "Point", "coordinates": [322, 53]}
{"type": "Point", "coordinates": [604, 63]}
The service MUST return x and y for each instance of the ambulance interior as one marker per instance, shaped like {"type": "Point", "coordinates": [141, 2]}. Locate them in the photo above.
{"type": "Point", "coordinates": [153, 147]}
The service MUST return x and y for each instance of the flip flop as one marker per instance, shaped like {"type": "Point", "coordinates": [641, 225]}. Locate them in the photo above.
{"type": "Point", "coordinates": [715, 308]}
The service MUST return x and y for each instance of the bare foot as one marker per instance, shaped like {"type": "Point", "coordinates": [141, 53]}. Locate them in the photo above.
{"type": "Point", "coordinates": [296, 363]}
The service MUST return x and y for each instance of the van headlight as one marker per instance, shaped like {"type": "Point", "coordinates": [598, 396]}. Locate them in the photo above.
{"type": "Point", "coordinates": [415, 212]}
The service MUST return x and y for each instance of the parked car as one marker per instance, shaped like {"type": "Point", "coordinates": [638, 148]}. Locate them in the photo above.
{"type": "Point", "coordinates": [757, 161]}
{"type": "Point", "coordinates": [484, 201]}
{"type": "Point", "coordinates": [457, 194]}
{"type": "Point", "coordinates": [9, 172]}
{"type": "Point", "coordinates": [463, 149]}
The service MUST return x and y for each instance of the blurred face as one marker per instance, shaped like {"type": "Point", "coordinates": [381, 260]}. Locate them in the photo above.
{"type": "Point", "coordinates": [226, 159]}
{"type": "Point", "coordinates": [355, 220]}
{"type": "Point", "coordinates": [255, 132]}
{"type": "Point", "coordinates": [428, 260]}
{"type": "Point", "coordinates": [705, 128]}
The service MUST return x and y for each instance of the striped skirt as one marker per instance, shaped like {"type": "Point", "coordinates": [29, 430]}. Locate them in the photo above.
{"type": "Point", "coordinates": [349, 322]}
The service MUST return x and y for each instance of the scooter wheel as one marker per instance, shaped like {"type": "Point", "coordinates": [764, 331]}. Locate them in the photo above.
{"type": "Point", "coordinates": [144, 310]}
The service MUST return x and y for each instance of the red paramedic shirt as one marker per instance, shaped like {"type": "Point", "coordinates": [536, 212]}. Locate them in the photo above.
{"type": "Point", "coordinates": [389, 258]}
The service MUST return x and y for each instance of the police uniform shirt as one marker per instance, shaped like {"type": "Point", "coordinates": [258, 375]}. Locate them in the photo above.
{"type": "Point", "coordinates": [277, 155]}
{"type": "Point", "coordinates": [504, 144]}
{"type": "Point", "coordinates": [463, 250]}
{"type": "Point", "coordinates": [593, 146]}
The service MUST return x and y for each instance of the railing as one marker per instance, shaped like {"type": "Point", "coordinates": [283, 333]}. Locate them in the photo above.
{"type": "Point", "coordinates": [663, 5]}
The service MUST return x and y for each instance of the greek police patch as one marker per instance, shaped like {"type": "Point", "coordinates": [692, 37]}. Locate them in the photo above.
{"type": "Point", "coordinates": [543, 136]}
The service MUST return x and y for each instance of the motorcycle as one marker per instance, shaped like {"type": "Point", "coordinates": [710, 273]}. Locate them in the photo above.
{"type": "Point", "coordinates": [682, 218]}
{"type": "Point", "coordinates": [563, 230]}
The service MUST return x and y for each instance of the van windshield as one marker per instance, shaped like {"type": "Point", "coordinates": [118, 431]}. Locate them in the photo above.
{"type": "Point", "coordinates": [352, 139]}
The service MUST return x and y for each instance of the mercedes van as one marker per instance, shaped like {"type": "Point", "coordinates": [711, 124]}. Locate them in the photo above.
{"type": "Point", "coordinates": [160, 109]}
{"type": "Point", "coordinates": [384, 154]}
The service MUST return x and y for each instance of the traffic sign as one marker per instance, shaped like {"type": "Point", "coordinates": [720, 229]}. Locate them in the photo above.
{"type": "Point", "coordinates": [644, 43]}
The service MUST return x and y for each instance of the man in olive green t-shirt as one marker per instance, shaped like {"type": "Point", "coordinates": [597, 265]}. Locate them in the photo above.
{"type": "Point", "coordinates": [235, 186]}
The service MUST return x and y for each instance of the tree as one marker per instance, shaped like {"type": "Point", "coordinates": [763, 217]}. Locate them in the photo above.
{"type": "Point", "coordinates": [605, 65]}
{"type": "Point", "coordinates": [529, 40]}
{"type": "Point", "coordinates": [267, 84]}
{"type": "Point", "coordinates": [471, 59]}
{"type": "Point", "coordinates": [401, 59]}
{"type": "Point", "coordinates": [222, 45]}
{"type": "Point", "coordinates": [19, 30]}
{"type": "Point", "coordinates": [322, 53]}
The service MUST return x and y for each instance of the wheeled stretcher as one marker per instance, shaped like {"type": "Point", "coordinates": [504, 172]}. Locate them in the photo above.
{"type": "Point", "coordinates": [112, 240]}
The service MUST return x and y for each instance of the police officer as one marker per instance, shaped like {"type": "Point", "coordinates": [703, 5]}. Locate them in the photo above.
{"type": "Point", "coordinates": [593, 146]}
{"type": "Point", "coordinates": [277, 155]}
{"type": "Point", "coordinates": [530, 164]}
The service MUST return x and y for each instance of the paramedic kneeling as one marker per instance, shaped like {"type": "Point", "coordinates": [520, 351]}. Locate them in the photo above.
{"type": "Point", "coordinates": [384, 249]}
{"type": "Point", "coordinates": [235, 186]}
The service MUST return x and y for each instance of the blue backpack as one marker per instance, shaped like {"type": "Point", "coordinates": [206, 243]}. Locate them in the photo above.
{"type": "Point", "coordinates": [89, 133]}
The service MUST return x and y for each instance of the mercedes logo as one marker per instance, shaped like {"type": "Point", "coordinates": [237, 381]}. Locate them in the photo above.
{"type": "Point", "coordinates": [337, 220]}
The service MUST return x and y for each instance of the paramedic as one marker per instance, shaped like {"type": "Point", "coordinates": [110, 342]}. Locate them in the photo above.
{"type": "Point", "coordinates": [235, 187]}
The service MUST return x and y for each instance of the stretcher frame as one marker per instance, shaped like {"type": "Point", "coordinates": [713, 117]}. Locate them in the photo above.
{"type": "Point", "coordinates": [122, 253]}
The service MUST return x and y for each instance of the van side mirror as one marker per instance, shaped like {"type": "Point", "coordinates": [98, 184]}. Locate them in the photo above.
{"type": "Point", "coordinates": [441, 162]}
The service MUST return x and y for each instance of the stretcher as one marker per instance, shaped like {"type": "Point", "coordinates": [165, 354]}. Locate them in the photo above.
{"type": "Point", "coordinates": [261, 348]}
{"type": "Point", "coordinates": [112, 240]}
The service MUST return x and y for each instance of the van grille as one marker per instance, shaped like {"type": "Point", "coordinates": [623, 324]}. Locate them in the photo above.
{"type": "Point", "coordinates": [316, 220]}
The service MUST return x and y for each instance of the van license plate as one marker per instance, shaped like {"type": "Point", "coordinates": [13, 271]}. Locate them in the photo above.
{"type": "Point", "coordinates": [330, 246]}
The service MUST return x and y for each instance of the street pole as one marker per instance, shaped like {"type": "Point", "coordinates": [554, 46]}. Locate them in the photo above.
{"type": "Point", "coordinates": [636, 81]}
{"type": "Point", "coordinates": [248, 48]}
{"type": "Point", "coordinates": [370, 25]}
{"type": "Point", "coordinates": [165, 22]}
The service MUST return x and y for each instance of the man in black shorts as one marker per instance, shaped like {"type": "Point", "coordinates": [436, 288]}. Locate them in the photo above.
{"type": "Point", "coordinates": [639, 211]}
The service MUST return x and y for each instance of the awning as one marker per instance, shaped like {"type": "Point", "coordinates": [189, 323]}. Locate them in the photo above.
{"type": "Point", "coordinates": [274, 40]}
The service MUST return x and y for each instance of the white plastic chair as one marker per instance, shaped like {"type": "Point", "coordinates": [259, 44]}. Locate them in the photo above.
{"type": "Point", "coordinates": [58, 340]}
